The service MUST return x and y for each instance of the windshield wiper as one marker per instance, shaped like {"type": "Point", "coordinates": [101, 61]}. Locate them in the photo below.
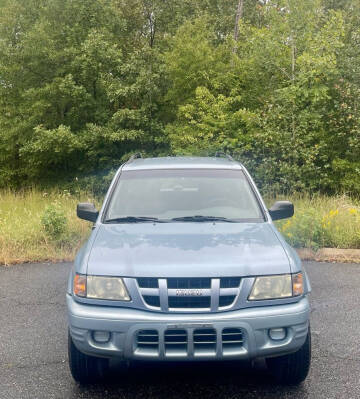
{"type": "Point", "coordinates": [201, 218]}
{"type": "Point", "coordinates": [134, 219]}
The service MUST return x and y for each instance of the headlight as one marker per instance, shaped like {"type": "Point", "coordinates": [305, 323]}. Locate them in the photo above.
{"type": "Point", "coordinates": [97, 287]}
{"type": "Point", "coordinates": [277, 287]}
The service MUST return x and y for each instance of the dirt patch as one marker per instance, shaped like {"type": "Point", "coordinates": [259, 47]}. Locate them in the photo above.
{"type": "Point", "coordinates": [330, 255]}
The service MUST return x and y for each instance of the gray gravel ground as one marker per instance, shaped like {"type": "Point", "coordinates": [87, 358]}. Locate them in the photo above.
{"type": "Point", "coordinates": [33, 346]}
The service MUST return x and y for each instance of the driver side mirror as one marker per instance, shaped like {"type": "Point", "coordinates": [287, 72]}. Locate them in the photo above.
{"type": "Point", "coordinates": [281, 210]}
{"type": "Point", "coordinates": [87, 211]}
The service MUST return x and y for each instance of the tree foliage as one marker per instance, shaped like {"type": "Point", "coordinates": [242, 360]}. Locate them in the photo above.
{"type": "Point", "coordinates": [85, 83]}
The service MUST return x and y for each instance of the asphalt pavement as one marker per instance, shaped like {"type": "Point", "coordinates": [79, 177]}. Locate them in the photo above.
{"type": "Point", "coordinates": [33, 346]}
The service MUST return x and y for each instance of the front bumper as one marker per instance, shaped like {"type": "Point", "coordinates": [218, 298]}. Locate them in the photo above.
{"type": "Point", "coordinates": [124, 324]}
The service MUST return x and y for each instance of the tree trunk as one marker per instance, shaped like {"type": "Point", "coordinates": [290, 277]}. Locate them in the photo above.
{"type": "Point", "coordinates": [293, 62]}
{"type": "Point", "coordinates": [239, 13]}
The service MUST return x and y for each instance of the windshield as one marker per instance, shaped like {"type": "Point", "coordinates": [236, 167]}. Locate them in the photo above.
{"type": "Point", "coordinates": [183, 195]}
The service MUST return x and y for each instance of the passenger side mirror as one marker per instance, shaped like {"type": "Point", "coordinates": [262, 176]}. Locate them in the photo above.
{"type": "Point", "coordinates": [281, 210]}
{"type": "Point", "coordinates": [87, 211]}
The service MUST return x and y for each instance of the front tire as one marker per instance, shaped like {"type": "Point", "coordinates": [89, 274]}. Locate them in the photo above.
{"type": "Point", "coordinates": [85, 369]}
{"type": "Point", "coordinates": [292, 369]}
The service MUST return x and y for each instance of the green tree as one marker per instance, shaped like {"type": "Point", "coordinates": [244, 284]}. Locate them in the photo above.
{"type": "Point", "coordinates": [77, 91]}
{"type": "Point", "coordinates": [85, 83]}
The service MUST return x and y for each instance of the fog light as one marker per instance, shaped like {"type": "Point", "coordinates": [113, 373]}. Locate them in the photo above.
{"type": "Point", "coordinates": [101, 336]}
{"type": "Point", "coordinates": [277, 334]}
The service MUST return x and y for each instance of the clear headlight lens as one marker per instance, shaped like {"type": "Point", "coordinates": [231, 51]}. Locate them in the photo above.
{"type": "Point", "coordinates": [98, 287]}
{"type": "Point", "coordinates": [112, 288]}
{"type": "Point", "coordinates": [277, 287]}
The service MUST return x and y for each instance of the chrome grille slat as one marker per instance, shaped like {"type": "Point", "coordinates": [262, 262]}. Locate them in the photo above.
{"type": "Point", "coordinates": [148, 335]}
{"type": "Point", "coordinates": [150, 291]}
{"type": "Point", "coordinates": [234, 342]}
{"type": "Point", "coordinates": [175, 343]}
{"type": "Point", "coordinates": [215, 284]}
{"type": "Point", "coordinates": [225, 334]}
{"type": "Point", "coordinates": [147, 343]}
{"type": "Point", "coordinates": [228, 291]}
{"type": "Point", "coordinates": [164, 304]}
{"type": "Point", "coordinates": [204, 334]}
{"type": "Point", "coordinates": [205, 342]}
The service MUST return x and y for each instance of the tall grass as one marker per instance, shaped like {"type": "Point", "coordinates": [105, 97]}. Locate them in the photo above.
{"type": "Point", "coordinates": [42, 226]}
{"type": "Point", "coordinates": [322, 221]}
{"type": "Point", "coordinates": [23, 237]}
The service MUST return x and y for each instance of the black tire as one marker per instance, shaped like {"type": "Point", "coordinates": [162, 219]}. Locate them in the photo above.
{"type": "Point", "coordinates": [292, 369]}
{"type": "Point", "coordinates": [85, 369]}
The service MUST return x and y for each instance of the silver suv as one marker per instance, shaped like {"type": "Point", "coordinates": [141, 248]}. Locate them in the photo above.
{"type": "Point", "coordinates": [184, 263]}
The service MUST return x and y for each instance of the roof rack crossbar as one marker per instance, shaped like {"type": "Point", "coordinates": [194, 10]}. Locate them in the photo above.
{"type": "Point", "coordinates": [135, 156]}
{"type": "Point", "coordinates": [219, 154]}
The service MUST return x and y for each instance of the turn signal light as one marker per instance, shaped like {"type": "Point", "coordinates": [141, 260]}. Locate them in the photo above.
{"type": "Point", "coordinates": [298, 284]}
{"type": "Point", "coordinates": [79, 285]}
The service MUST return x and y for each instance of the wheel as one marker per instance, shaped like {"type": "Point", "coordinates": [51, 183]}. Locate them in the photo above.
{"type": "Point", "coordinates": [85, 369]}
{"type": "Point", "coordinates": [292, 369]}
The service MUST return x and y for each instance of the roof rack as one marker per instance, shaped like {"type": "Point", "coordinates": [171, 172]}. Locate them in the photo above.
{"type": "Point", "coordinates": [219, 154]}
{"type": "Point", "coordinates": [135, 156]}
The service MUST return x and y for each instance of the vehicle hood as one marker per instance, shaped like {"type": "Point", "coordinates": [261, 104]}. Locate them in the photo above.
{"type": "Point", "coordinates": [187, 250]}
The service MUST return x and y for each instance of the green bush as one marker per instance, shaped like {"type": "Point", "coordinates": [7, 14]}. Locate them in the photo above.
{"type": "Point", "coordinates": [304, 230]}
{"type": "Point", "coordinates": [54, 222]}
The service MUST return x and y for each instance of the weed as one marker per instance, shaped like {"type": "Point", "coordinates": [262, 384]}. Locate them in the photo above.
{"type": "Point", "coordinates": [54, 222]}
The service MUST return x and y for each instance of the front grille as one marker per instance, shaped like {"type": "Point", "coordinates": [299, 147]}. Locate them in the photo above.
{"type": "Point", "coordinates": [200, 294]}
{"type": "Point", "coordinates": [182, 342]}
{"type": "Point", "coordinates": [189, 302]}
{"type": "Point", "coordinates": [188, 283]}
